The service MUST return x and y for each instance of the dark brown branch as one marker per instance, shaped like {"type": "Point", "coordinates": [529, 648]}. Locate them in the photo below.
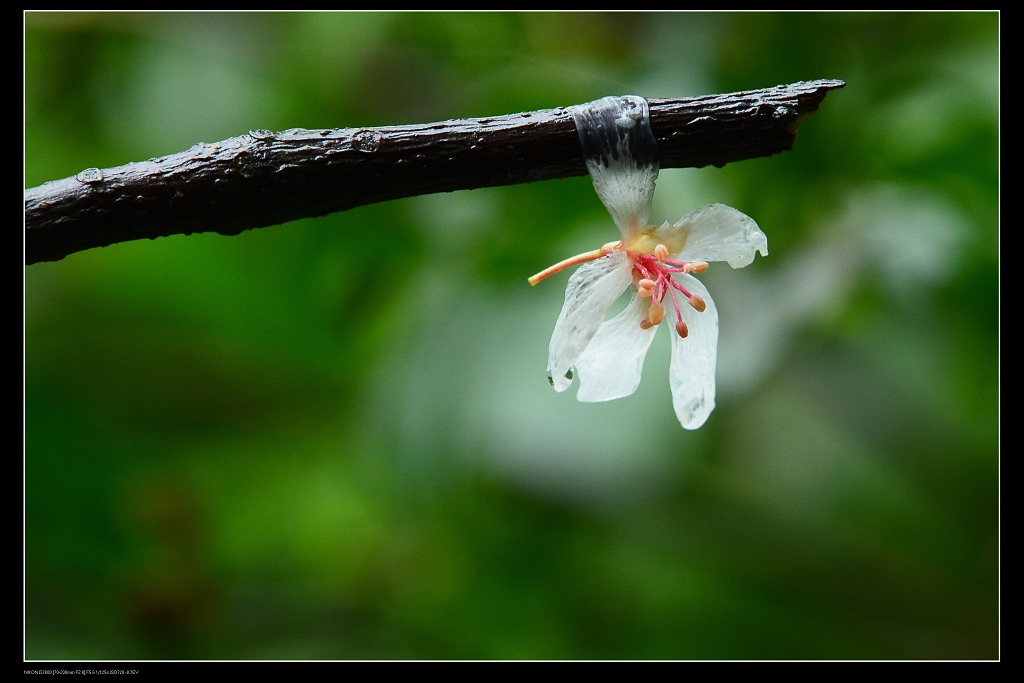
{"type": "Point", "coordinates": [263, 178]}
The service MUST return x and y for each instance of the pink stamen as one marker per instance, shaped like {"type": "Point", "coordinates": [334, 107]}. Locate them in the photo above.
{"type": "Point", "coordinates": [645, 287]}
{"type": "Point", "coordinates": [682, 290]}
{"type": "Point", "coordinates": [675, 304]}
{"type": "Point", "coordinates": [656, 314]}
{"type": "Point", "coordinates": [654, 273]}
{"type": "Point", "coordinates": [639, 266]}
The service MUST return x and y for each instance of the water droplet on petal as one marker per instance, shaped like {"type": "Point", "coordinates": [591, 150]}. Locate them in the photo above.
{"type": "Point", "coordinates": [568, 376]}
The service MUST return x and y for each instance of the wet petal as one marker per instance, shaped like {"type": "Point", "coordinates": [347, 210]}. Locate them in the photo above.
{"type": "Point", "coordinates": [692, 371]}
{"type": "Point", "coordinates": [717, 232]}
{"type": "Point", "coordinates": [610, 366]}
{"type": "Point", "coordinates": [591, 291]}
{"type": "Point", "coordinates": [621, 155]}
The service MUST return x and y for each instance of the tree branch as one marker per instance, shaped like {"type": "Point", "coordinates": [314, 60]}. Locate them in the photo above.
{"type": "Point", "coordinates": [264, 178]}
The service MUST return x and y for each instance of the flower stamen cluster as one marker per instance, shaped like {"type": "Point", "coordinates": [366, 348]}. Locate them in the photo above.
{"type": "Point", "coordinates": [652, 277]}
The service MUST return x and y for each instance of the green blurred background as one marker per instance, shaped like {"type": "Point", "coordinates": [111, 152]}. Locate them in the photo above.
{"type": "Point", "coordinates": [334, 439]}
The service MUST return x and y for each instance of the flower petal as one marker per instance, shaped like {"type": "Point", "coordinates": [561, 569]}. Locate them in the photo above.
{"type": "Point", "coordinates": [717, 232]}
{"type": "Point", "coordinates": [692, 371]}
{"type": "Point", "coordinates": [591, 291]}
{"type": "Point", "coordinates": [622, 157]}
{"type": "Point", "coordinates": [610, 366]}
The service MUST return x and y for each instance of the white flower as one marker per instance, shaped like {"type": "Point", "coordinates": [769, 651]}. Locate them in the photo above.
{"type": "Point", "coordinates": [656, 263]}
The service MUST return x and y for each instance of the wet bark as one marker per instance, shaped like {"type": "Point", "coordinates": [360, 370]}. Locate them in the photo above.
{"type": "Point", "coordinates": [265, 178]}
